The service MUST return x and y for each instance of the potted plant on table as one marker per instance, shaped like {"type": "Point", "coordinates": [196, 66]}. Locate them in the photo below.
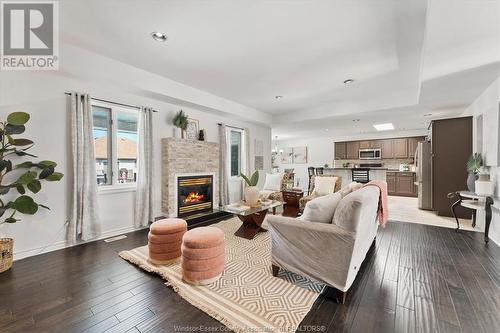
{"type": "Point", "coordinates": [180, 124]}
{"type": "Point", "coordinates": [17, 179]}
{"type": "Point", "coordinates": [251, 190]}
{"type": "Point", "coordinates": [474, 164]}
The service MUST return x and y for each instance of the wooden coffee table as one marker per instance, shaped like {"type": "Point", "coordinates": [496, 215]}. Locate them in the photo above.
{"type": "Point", "coordinates": [252, 218]}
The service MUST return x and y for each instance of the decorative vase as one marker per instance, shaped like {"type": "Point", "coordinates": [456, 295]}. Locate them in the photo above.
{"type": "Point", "coordinates": [252, 195]}
{"type": "Point", "coordinates": [177, 132]}
{"type": "Point", "coordinates": [471, 180]}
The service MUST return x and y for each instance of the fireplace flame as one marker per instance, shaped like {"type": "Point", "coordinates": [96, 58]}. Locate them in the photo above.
{"type": "Point", "coordinates": [194, 197]}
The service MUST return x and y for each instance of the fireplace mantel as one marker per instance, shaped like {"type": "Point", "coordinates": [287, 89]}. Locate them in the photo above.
{"type": "Point", "coordinates": [183, 157]}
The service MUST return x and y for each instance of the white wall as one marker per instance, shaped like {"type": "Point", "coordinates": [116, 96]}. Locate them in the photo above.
{"type": "Point", "coordinates": [487, 105]}
{"type": "Point", "coordinates": [42, 95]}
{"type": "Point", "coordinates": [320, 150]}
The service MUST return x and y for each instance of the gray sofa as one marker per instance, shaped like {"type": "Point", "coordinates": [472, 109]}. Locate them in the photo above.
{"type": "Point", "coordinates": [330, 253]}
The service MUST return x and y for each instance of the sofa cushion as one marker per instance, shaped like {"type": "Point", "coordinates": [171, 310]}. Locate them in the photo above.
{"type": "Point", "coordinates": [321, 209]}
{"type": "Point", "coordinates": [324, 185]}
{"type": "Point", "coordinates": [273, 182]}
{"type": "Point", "coordinates": [351, 187]}
{"type": "Point", "coordinates": [357, 207]}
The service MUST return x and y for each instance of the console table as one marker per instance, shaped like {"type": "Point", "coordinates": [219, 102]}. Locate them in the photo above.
{"type": "Point", "coordinates": [474, 202]}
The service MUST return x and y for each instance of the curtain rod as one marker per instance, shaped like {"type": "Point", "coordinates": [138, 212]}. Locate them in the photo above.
{"type": "Point", "coordinates": [111, 102]}
{"type": "Point", "coordinates": [220, 124]}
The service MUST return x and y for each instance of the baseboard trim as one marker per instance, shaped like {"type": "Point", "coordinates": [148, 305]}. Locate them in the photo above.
{"type": "Point", "coordinates": [65, 244]}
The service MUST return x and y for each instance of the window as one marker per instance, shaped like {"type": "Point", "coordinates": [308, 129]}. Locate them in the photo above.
{"type": "Point", "coordinates": [236, 152]}
{"type": "Point", "coordinates": [115, 144]}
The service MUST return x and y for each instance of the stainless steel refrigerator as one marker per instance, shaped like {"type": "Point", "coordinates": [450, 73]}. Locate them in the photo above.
{"type": "Point", "coordinates": [423, 165]}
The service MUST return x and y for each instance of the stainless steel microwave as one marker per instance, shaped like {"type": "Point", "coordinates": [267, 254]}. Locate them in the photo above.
{"type": "Point", "coordinates": [370, 154]}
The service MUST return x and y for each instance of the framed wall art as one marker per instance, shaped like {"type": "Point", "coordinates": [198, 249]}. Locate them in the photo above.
{"type": "Point", "coordinates": [191, 132]}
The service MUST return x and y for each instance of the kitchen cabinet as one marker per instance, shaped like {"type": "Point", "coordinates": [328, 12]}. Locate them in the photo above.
{"type": "Point", "coordinates": [376, 144]}
{"type": "Point", "coordinates": [401, 184]}
{"type": "Point", "coordinates": [364, 144]}
{"type": "Point", "coordinates": [400, 148]}
{"type": "Point", "coordinates": [412, 145]}
{"type": "Point", "coordinates": [390, 178]}
{"type": "Point", "coordinates": [397, 148]}
{"type": "Point", "coordinates": [405, 183]}
{"type": "Point", "coordinates": [386, 148]}
{"type": "Point", "coordinates": [340, 150]}
{"type": "Point", "coordinates": [369, 144]}
{"type": "Point", "coordinates": [352, 150]}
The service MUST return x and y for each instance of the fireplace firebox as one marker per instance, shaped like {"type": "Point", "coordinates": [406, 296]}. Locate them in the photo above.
{"type": "Point", "coordinates": [194, 194]}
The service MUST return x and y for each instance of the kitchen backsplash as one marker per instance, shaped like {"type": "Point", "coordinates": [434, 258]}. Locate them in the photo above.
{"type": "Point", "coordinates": [386, 163]}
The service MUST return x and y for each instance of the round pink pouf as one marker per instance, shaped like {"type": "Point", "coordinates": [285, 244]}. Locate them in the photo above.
{"type": "Point", "coordinates": [202, 255]}
{"type": "Point", "coordinates": [165, 240]}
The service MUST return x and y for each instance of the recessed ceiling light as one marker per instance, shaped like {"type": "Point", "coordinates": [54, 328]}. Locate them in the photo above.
{"type": "Point", "coordinates": [384, 127]}
{"type": "Point", "coordinates": [159, 36]}
{"type": "Point", "coordinates": [427, 114]}
{"type": "Point", "coordinates": [348, 81]}
{"type": "Point", "coordinates": [278, 97]}
{"type": "Point", "coordinates": [326, 129]}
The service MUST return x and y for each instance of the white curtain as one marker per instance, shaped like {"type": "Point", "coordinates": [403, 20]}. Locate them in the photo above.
{"type": "Point", "coordinates": [83, 221]}
{"type": "Point", "coordinates": [144, 193]}
{"type": "Point", "coordinates": [223, 170]}
{"type": "Point", "coordinates": [248, 162]}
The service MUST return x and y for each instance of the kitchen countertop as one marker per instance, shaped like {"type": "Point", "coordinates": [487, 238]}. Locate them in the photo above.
{"type": "Point", "coordinates": [356, 168]}
{"type": "Point", "coordinates": [386, 169]}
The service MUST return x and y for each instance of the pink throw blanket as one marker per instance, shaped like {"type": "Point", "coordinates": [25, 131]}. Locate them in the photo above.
{"type": "Point", "coordinates": [383, 213]}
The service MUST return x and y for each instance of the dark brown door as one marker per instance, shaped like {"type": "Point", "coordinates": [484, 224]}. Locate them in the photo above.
{"type": "Point", "coordinates": [400, 148]}
{"type": "Point", "coordinates": [404, 183]}
{"type": "Point", "coordinates": [391, 182]}
{"type": "Point", "coordinates": [353, 150]}
{"type": "Point", "coordinates": [340, 150]}
{"type": "Point", "coordinates": [451, 147]}
{"type": "Point", "coordinates": [386, 148]}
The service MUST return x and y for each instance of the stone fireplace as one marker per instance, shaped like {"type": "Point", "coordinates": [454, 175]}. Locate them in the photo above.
{"type": "Point", "coordinates": [194, 165]}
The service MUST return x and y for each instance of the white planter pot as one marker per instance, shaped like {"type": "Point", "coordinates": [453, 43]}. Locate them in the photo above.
{"type": "Point", "coordinates": [252, 195]}
{"type": "Point", "coordinates": [484, 187]}
{"type": "Point", "coordinates": [177, 133]}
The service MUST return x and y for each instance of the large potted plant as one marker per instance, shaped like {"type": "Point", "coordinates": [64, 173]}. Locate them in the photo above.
{"type": "Point", "coordinates": [251, 190]}
{"type": "Point", "coordinates": [180, 124]}
{"type": "Point", "coordinates": [474, 164]}
{"type": "Point", "coordinates": [19, 179]}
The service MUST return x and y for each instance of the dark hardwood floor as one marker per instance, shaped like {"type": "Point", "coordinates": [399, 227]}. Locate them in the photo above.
{"type": "Point", "coordinates": [418, 279]}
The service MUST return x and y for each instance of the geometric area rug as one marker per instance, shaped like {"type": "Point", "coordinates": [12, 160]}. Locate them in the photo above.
{"type": "Point", "coordinates": [247, 298]}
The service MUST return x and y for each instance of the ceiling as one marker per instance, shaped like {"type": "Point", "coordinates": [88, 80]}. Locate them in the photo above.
{"type": "Point", "coordinates": [406, 58]}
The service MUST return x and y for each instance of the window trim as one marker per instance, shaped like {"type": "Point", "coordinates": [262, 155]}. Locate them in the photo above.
{"type": "Point", "coordinates": [115, 186]}
{"type": "Point", "coordinates": [242, 152]}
